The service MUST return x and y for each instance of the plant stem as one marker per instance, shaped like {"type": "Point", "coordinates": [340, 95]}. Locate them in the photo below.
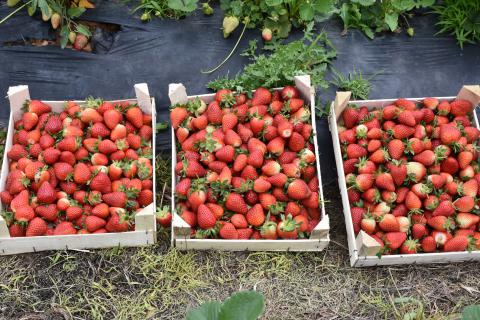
{"type": "Point", "coordinates": [231, 52]}
{"type": "Point", "coordinates": [15, 11]}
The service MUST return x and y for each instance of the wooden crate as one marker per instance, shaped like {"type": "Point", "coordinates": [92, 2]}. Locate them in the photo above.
{"type": "Point", "coordinates": [319, 237]}
{"type": "Point", "coordinates": [363, 248]}
{"type": "Point", "coordinates": [145, 224]}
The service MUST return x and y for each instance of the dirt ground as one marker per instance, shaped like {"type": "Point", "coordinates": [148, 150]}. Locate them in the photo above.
{"type": "Point", "coordinates": [158, 282]}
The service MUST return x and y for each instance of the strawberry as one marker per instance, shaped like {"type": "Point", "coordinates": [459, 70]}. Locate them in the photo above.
{"type": "Point", "coordinates": [245, 233]}
{"type": "Point", "coordinates": [115, 199]}
{"type": "Point", "coordinates": [88, 115]}
{"type": "Point", "coordinates": [464, 204]}
{"type": "Point", "coordinates": [394, 240]}
{"type": "Point", "coordinates": [64, 228]}
{"type": "Point", "coordinates": [46, 193]}
{"type": "Point", "coordinates": [406, 104]}
{"type": "Point", "coordinates": [412, 201]}
{"type": "Point", "coordinates": [389, 223]}
{"type": "Point", "coordinates": [450, 165]}
{"type": "Point", "coordinates": [239, 220]}
{"type": "Point", "coordinates": [385, 181]}
{"type": "Point", "coordinates": [30, 120]}
{"type": "Point", "coordinates": [457, 243]}
{"type": "Point", "coordinates": [419, 231]}
{"type": "Point", "coordinates": [362, 182]}
{"type": "Point", "coordinates": [17, 152]}
{"type": "Point", "coordinates": [205, 217]}
{"type": "Point", "coordinates": [406, 117]}
{"type": "Point", "coordinates": [410, 246]}
{"type": "Point", "coordinates": [93, 223]}
{"type": "Point", "coordinates": [73, 213]}
{"type": "Point", "coordinates": [464, 159]}
{"type": "Point", "coordinates": [228, 231]}
{"type": "Point", "coordinates": [460, 107]}
{"type": "Point", "coordinates": [255, 158]}
{"type": "Point", "coordinates": [355, 151]}
{"type": "Point", "coordinates": [101, 182]}
{"type": "Point", "coordinates": [449, 133]}
{"type": "Point", "coordinates": [472, 134]}
{"type": "Point", "coordinates": [401, 131]}
{"type": "Point", "coordinates": [261, 185]}
{"type": "Point", "coordinates": [164, 216]}
{"type": "Point", "coordinates": [289, 92]}
{"type": "Point", "coordinates": [229, 121]}
{"type": "Point", "coordinates": [38, 107]}
{"type": "Point", "coordinates": [429, 244]}
{"type": "Point", "coordinates": [16, 230]}
{"type": "Point", "coordinates": [368, 224]}
{"type": "Point", "coordinates": [135, 116]}
{"type": "Point", "coordinates": [444, 208]}
{"type": "Point", "coordinates": [396, 148]}
{"type": "Point", "coordinates": [118, 132]}
{"type": "Point", "coordinates": [441, 223]}
{"type": "Point", "coordinates": [287, 228]}
{"type": "Point", "coordinates": [285, 129]}
{"type": "Point", "coordinates": [430, 103]}
{"type": "Point", "coordinates": [193, 169]}
{"type": "Point", "coordinates": [236, 203]}
{"type": "Point", "coordinates": [416, 171]}
{"type": "Point", "coordinates": [350, 117]}
{"type": "Point", "coordinates": [269, 230]}
{"type": "Point", "coordinates": [296, 142]}
{"type": "Point", "coordinates": [36, 227]}
{"type": "Point", "coordinates": [255, 216]}
{"type": "Point", "coordinates": [53, 124]}
{"type": "Point", "coordinates": [271, 168]}
{"type": "Point", "coordinates": [99, 130]}
{"type": "Point", "coordinates": [81, 173]}
{"type": "Point", "coordinates": [63, 170]}
{"type": "Point", "coordinates": [24, 213]}
{"type": "Point", "coordinates": [398, 171]}
{"type": "Point", "coordinates": [276, 146]}
{"type": "Point", "coordinates": [214, 113]}
{"type": "Point", "coordinates": [466, 220]}
{"type": "Point", "coordinates": [225, 154]}
{"type": "Point", "coordinates": [298, 190]}
{"type": "Point", "coordinates": [261, 96]}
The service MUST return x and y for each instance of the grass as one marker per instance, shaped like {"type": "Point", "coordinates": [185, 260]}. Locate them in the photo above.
{"type": "Point", "coordinates": [159, 282]}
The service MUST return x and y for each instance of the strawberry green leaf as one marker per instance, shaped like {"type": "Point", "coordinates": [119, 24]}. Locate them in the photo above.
{"type": "Point", "coordinates": [471, 312]}
{"type": "Point", "coordinates": [207, 311]}
{"type": "Point", "coordinates": [242, 306]}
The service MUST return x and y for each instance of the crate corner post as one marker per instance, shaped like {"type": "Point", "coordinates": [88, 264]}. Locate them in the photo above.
{"type": "Point", "coordinates": [322, 229]}
{"type": "Point", "coordinates": [341, 101]}
{"type": "Point", "coordinates": [177, 93]}
{"type": "Point", "coordinates": [470, 93]}
{"type": "Point", "coordinates": [366, 245]}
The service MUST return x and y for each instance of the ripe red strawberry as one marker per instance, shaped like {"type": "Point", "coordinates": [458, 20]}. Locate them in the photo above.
{"type": "Point", "coordinates": [396, 148]}
{"type": "Point", "coordinates": [406, 117]}
{"type": "Point", "coordinates": [276, 146]}
{"type": "Point", "coordinates": [419, 231]}
{"type": "Point", "coordinates": [17, 152]}
{"type": "Point", "coordinates": [99, 130]}
{"type": "Point", "coordinates": [261, 96]}
{"type": "Point", "coordinates": [236, 203]}
{"type": "Point", "coordinates": [115, 199]}
{"type": "Point", "coordinates": [64, 228]}
{"type": "Point", "coordinates": [289, 92]}
{"type": "Point", "coordinates": [450, 165]}
{"type": "Point", "coordinates": [379, 157]}
{"type": "Point", "coordinates": [119, 132]}
{"type": "Point", "coordinates": [205, 217]}
{"type": "Point", "coordinates": [38, 107]}
{"type": "Point", "coordinates": [464, 204]}
{"type": "Point", "coordinates": [406, 104]}
{"type": "Point", "coordinates": [398, 171]}
{"type": "Point", "coordinates": [355, 151]}
{"type": "Point", "coordinates": [225, 154]}
{"type": "Point", "coordinates": [46, 193]}
{"type": "Point", "coordinates": [368, 224]}
{"type": "Point", "coordinates": [214, 113]}
{"type": "Point", "coordinates": [348, 136]}
{"type": "Point", "coordinates": [107, 146]}
{"type": "Point", "coordinates": [135, 116]}
{"type": "Point", "coordinates": [457, 243]}
{"type": "Point", "coordinates": [81, 173]}
{"type": "Point", "coordinates": [63, 170]}
{"type": "Point", "coordinates": [444, 208]}
{"type": "Point", "coordinates": [53, 125]}
{"type": "Point", "coordinates": [255, 159]}
{"type": "Point", "coordinates": [401, 131]}
{"type": "Point", "coordinates": [255, 216]}
{"type": "Point", "coordinates": [30, 120]}
{"type": "Point", "coordinates": [228, 231]}
{"type": "Point", "coordinates": [296, 142]}
{"type": "Point", "coordinates": [449, 133]}
{"type": "Point", "coordinates": [229, 121]}
{"type": "Point", "coordinates": [285, 129]}
{"type": "Point", "coordinates": [410, 246]}
{"type": "Point", "coordinates": [429, 244]}
{"type": "Point", "coordinates": [24, 213]}
{"type": "Point", "coordinates": [36, 227]}
{"type": "Point", "coordinates": [101, 182]}
{"type": "Point", "coordinates": [193, 169]}
{"type": "Point", "coordinates": [93, 223]}
{"type": "Point", "coordinates": [464, 159]}
{"type": "Point", "coordinates": [412, 201]}
{"type": "Point", "coordinates": [239, 221]}
{"type": "Point", "coordinates": [350, 117]}
{"type": "Point", "coordinates": [471, 133]}
{"type": "Point", "coordinates": [88, 115]}
{"type": "Point", "coordinates": [389, 223]}
{"type": "Point", "coordinates": [460, 107]}
{"type": "Point", "coordinates": [298, 190]}
{"type": "Point", "coordinates": [394, 240]}
{"type": "Point", "coordinates": [441, 223]}
{"type": "Point", "coordinates": [385, 181]}
{"type": "Point", "coordinates": [16, 230]}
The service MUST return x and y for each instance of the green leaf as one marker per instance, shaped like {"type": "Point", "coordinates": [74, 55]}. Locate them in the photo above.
{"type": "Point", "coordinates": [43, 5]}
{"type": "Point", "coordinates": [83, 30]}
{"type": "Point", "coordinates": [306, 12]}
{"type": "Point", "coordinates": [323, 6]}
{"type": "Point", "coordinates": [32, 8]}
{"type": "Point", "coordinates": [75, 12]}
{"type": "Point", "coordinates": [246, 305]}
{"type": "Point", "coordinates": [183, 5]}
{"type": "Point", "coordinates": [64, 36]}
{"type": "Point", "coordinates": [471, 312]}
{"type": "Point", "coordinates": [365, 3]}
{"type": "Point", "coordinates": [392, 21]}
{"type": "Point", "coordinates": [207, 311]}
{"type": "Point", "coordinates": [273, 3]}
{"type": "Point", "coordinates": [161, 125]}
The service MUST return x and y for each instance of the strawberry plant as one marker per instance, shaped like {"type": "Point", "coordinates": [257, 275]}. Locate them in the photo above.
{"type": "Point", "coordinates": [62, 15]}
{"type": "Point", "coordinates": [167, 9]}
{"type": "Point", "coordinates": [354, 82]}
{"type": "Point", "coordinates": [460, 18]}
{"type": "Point", "coordinates": [278, 16]}
{"type": "Point", "coordinates": [309, 55]}
{"type": "Point", "coordinates": [240, 305]}
{"type": "Point", "coordinates": [371, 16]}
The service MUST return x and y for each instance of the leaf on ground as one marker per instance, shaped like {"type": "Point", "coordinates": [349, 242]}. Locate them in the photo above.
{"type": "Point", "coordinates": [207, 311]}
{"type": "Point", "coordinates": [246, 305]}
